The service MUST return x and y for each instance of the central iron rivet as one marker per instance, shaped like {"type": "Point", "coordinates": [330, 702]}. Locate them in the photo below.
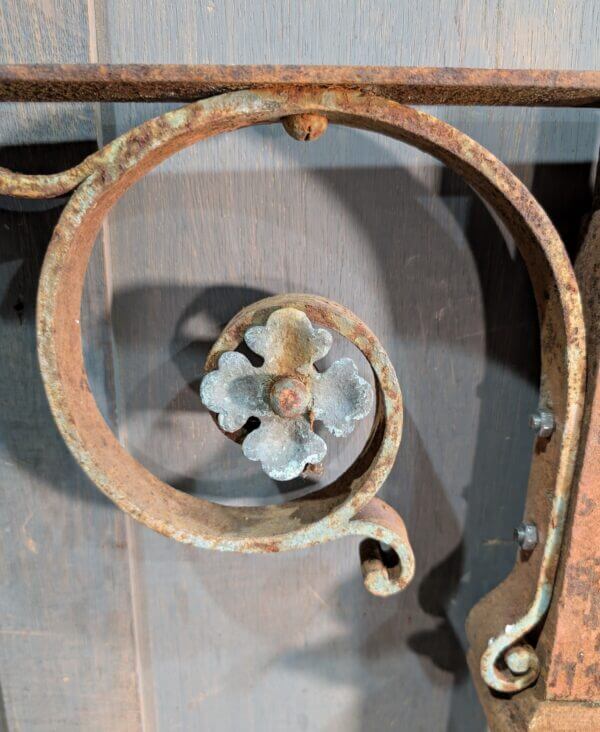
{"type": "Point", "coordinates": [289, 397]}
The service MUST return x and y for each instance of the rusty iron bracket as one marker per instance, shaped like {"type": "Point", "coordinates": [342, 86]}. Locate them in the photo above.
{"type": "Point", "coordinates": [306, 100]}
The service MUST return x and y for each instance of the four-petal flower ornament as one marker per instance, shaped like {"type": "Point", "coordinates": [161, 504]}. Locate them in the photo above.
{"type": "Point", "coordinates": [287, 393]}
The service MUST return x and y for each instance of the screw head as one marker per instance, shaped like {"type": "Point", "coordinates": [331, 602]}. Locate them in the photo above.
{"type": "Point", "coordinates": [526, 536]}
{"type": "Point", "coordinates": [542, 422]}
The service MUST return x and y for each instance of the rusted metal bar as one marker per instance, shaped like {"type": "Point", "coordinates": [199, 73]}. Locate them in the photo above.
{"type": "Point", "coordinates": [408, 85]}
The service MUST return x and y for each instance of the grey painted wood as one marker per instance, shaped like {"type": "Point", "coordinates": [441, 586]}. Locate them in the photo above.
{"type": "Point", "coordinates": [67, 655]}
{"type": "Point", "coordinates": [289, 642]}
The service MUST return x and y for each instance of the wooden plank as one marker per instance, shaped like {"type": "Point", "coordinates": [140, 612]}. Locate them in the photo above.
{"type": "Point", "coordinates": [409, 85]}
{"type": "Point", "coordinates": [67, 654]}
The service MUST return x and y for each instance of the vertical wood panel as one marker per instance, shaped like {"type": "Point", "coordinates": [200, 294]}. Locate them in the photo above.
{"type": "Point", "coordinates": [294, 642]}
{"type": "Point", "coordinates": [67, 658]}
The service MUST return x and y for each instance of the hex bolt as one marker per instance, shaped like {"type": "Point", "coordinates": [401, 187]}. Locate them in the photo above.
{"type": "Point", "coordinates": [526, 536]}
{"type": "Point", "coordinates": [289, 397]}
{"type": "Point", "coordinates": [542, 422]}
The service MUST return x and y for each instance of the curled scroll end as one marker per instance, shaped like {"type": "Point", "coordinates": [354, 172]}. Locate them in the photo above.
{"type": "Point", "coordinates": [384, 573]}
{"type": "Point", "coordinates": [386, 557]}
{"type": "Point", "coordinates": [509, 669]}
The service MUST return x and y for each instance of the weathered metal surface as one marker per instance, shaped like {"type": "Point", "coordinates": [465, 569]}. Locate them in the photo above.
{"type": "Point", "coordinates": [286, 393]}
{"type": "Point", "coordinates": [508, 614]}
{"type": "Point", "coordinates": [47, 186]}
{"type": "Point", "coordinates": [572, 638]}
{"type": "Point", "coordinates": [408, 85]}
{"type": "Point", "coordinates": [567, 694]}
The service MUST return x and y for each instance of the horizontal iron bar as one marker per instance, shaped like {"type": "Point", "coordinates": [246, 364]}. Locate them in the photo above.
{"type": "Point", "coordinates": [408, 85]}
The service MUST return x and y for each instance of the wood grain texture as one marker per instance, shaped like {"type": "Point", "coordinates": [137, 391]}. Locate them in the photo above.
{"type": "Point", "coordinates": [294, 642]}
{"type": "Point", "coordinates": [67, 659]}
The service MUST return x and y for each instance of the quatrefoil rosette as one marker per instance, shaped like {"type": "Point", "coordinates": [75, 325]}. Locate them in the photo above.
{"type": "Point", "coordinates": [286, 393]}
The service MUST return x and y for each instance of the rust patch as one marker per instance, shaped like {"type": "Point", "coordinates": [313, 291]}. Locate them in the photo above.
{"type": "Point", "coordinates": [583, 582]}
{"type": "Point", "coordinates": [592, 672]}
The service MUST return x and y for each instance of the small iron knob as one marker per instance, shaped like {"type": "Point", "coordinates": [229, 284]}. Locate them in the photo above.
{"type": "Point", "coordinates": [542, 422]}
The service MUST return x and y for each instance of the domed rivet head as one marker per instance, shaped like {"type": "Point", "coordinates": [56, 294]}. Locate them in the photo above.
{"type": "Point", "coordinates": [305, 127]}
{"type": "Point", "coordinates": [289, 397]}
